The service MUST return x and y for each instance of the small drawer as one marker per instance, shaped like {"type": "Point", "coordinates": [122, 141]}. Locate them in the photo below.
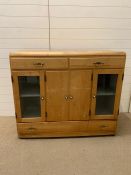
{"type": "Point", "coordinates": [102, 126]}
{"type": "Point", "coordinates": [97, 62]}
{"type": "Point", "coordinates": [39, 63]}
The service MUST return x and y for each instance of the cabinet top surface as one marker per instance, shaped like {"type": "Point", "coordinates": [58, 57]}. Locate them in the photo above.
{"type": "Point", "coordinates": [66, 53]}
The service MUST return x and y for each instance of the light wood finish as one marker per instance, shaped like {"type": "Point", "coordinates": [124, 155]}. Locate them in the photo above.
{"type": "Point", "coordinates": [66, 129]}
{"type": "Point", "coordinates": [39, 63]}
{"type": "Point", "coordinates": [79, 94]}
{"type": "Point", "coordinates": [67, 53]}
{"type": "Point", "coordinates": [15, 75]}
{"type": "Point", "coordinates": [96, 72]}
{"type": "Point", "coordinates": [97, 62]}
{"type": "Point", "coordinates": [56, 94]}
{"type": "Point", "coordinates": [58, 129]}
{"type": "Point", "coordinates": [68, 82]}
{"type": "Point", "coordinates": [103, 126]}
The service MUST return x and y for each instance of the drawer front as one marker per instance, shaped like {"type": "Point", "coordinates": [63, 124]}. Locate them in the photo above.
{"type": "Point", "coordinates": [97, 62]}
{"type": "Point", "coordinates": [52, 129]}
{"type": "Point", "coordinates": [29, 129]}
{"type": "Point", "coordinates": [102, 126]}
{"type": "Point", "coordinates": [39, 63]}
{"type": "Point", "coordinates": [66, 129]}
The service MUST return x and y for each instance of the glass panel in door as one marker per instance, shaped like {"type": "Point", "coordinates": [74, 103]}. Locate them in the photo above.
{"type": "Point", "coordinates": [29, 92]}
{"type": "Point", "coordinates": [105, 96]}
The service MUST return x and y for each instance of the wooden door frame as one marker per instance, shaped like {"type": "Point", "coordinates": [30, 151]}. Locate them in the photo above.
{"type": "Point", "coordinates": [117, 95]}
{"type": "Point", "coordinates": [15, 75]}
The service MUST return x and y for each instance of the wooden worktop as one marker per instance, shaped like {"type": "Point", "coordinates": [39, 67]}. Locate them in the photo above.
{"type": "Point", "coordinates": [67, 53]}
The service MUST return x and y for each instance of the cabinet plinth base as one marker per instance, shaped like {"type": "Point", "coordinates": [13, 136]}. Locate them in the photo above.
{"type": "Point", "coordinates": [66, 129]}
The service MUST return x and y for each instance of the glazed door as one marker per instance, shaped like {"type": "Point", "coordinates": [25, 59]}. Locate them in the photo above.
{"type": "Point", "coordinates": [29, 92]}
{"type": "Point", "coordinates": [79, 94]}
{"type": "Point", "coordinates": [107, 84]}
{"type": "Point", "coordinates": [57, 95]}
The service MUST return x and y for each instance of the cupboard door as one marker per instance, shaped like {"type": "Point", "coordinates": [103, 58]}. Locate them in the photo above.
{"type": "Point", "coordinates": [107, 84]}
{"type": "Point", "coordinates": [80, 94]}
{"type": "Point", "coordinates": [57, 95]}
{"type": "Point", "coordinates": [29, 95]}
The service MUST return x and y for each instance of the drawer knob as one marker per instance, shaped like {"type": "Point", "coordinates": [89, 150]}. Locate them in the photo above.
{"type": "Point", "coordinates": [98, 63]}
{"type": "Point", "coordinates": [42, 64]}
{"type": "Point", "coordinates": [31, 128]}
{"type": "Point", "coordinates": [103, 126]}
{"type": "Point", "coordinates": [39, 64]}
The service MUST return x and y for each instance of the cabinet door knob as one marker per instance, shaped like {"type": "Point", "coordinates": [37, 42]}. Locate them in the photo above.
{"type": "Point", "coordinates": [42, 98]}
{"type": "Point", "coordinates": [94, 96]}
{"type": "Point", "coordinates": [66, 97]}
{"type": "Point", "coordinates": [71, 97]}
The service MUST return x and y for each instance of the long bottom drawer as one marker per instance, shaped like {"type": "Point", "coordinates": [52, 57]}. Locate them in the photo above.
{"type": "Point", "coordinates": [66, 129]}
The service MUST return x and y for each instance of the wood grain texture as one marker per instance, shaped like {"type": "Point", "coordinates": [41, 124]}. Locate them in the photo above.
{"type": "Point", "coordinates": [68, 81]}
{"type": "Point", "coordinates": [56, 93]}
{"type": "Point", "coordinates": [38, 63]}
{"type": "Point", "coordinates": [80, 94]}
{"type": "Point", "coordinates": [105, 62]}
{"type": "Point", "coordinates": [103, 126]}
{"type": "Point", "coordinates": [66, 53]}
{"type": "Point", "coordinates": [65, 129]}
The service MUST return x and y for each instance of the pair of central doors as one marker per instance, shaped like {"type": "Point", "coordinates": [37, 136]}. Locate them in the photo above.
{"type": "Point", "coordinates": [63, 95]}
{"type": "Point", "coordinates": [68, 95]}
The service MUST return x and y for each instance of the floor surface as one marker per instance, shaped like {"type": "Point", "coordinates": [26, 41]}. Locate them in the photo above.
{"type": "Point", "coordinates": [108, 155]}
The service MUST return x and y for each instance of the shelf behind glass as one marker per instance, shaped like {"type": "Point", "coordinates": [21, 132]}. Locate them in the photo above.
{"type": "Point", "coordinates": [30, 91]}
{"type": "Point", "coordinates": [30, 107]}
{"type": "Point", "coordinates": [105, 105]}
{"type": "Point", "coordinates": [105, 92]}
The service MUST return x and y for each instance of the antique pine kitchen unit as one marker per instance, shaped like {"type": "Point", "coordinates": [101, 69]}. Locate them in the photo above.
{"type": "Point", "coordinates": [62, 94]}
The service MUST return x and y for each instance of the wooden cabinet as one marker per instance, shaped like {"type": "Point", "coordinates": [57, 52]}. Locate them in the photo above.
{"type": "Point", "coordinates": [60, 94]}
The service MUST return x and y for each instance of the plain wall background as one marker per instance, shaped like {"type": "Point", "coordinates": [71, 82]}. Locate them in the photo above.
{"type": "Point", "coordinates": [63, 25]}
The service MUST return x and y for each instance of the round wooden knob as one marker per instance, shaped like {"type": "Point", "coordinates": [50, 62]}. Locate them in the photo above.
{"type": "Point", "coordinates": [71, 97]}
{"type": "Point", "coordinates": [66, 97]}
{"type": "Point", "coordinates": [42, 98]}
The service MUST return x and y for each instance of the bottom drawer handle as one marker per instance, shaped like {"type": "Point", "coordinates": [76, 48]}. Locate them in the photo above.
{"type": "Point", "coordinates": [103, 126]}
{"type": "Point", "coordinates": [31, 128]}
{"type": "Point", "coordinates": [98, 63]}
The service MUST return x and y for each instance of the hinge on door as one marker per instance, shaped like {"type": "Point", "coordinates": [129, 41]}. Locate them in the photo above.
{"type": "Point", "coordinates": [45, 78]}
{"type": "Point", "coordinates": [45, 114]}
{"type": "Point", "coordinates": [118, 112]}
{"type": "Point", "coordinates": [92, 77]}
{"type": "Point", "coordinates": [90, 112]}
{"type": "Point", "coordinates": [122, 76]}
{"type": "Point", "coordinates": [12, 79]}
